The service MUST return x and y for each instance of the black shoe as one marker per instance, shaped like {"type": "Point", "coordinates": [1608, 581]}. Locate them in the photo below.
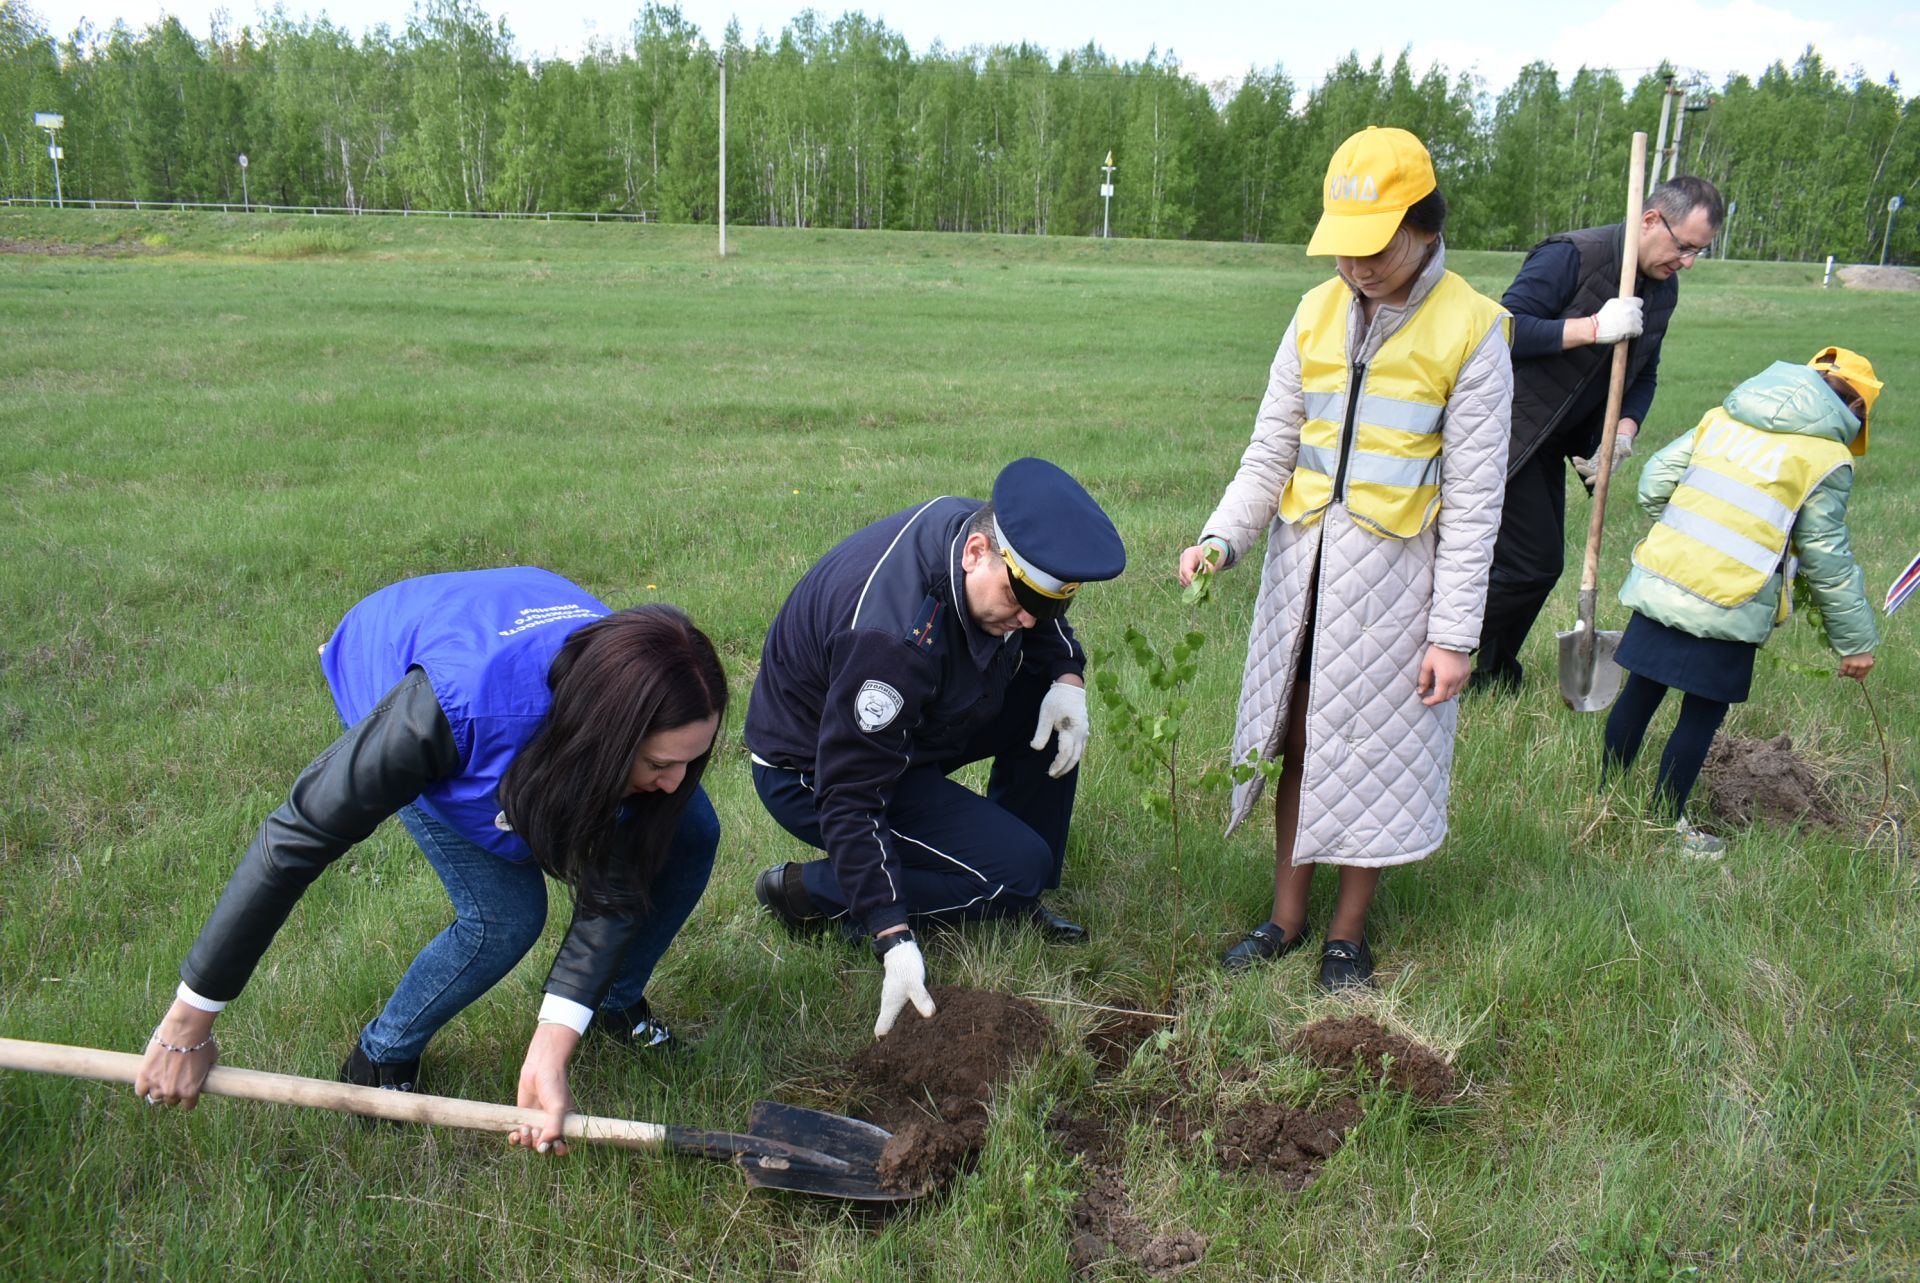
{"type": "Point", "coordinates": [781, 893]}
{"type": "Point", "coordinates": [1345, 965]}
{"type": "Point", "coordinates": [362, 1072]}
{"type": "Point", "coordinates": [1054, 928]}
{"type": "Point", "coordinates": [633, 1027]}
{"type": "Point", "coordinates": [1262, 944]}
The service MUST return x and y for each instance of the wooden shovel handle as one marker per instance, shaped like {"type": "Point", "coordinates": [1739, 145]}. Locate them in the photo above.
{"type": "Point", "coordinates": [344, 1098]}
{"type": "Point", "coordinates": [1616, 384]}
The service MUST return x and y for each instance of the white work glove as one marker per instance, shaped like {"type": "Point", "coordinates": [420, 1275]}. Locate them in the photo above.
{"type": "Point", "coordinates": [1619, 318]}
{"type": "Point", "coordinates": [1063, 711]}
{"type": "Point", "coordinates": [1622, 447]}
{"type": "Point", "coordinates": [906, 978]}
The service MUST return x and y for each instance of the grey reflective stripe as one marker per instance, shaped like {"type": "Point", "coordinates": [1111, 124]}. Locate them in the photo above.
{"type": "Point", "coordinates": [1717, 537]}
{"type": "Point", "coordinates": [1317, 458]}
{"type": "Point", "coordinates": [1402, 416]}
{"type": "Point", "coordinates": [1741, 495]}
{"type": "Point", "coordinates": [1386, 470]}
{"type": "Point", "coordinates": [1325, 405]}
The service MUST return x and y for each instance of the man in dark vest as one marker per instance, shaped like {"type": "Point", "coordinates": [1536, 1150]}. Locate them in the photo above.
{"type": "Point", "coordinates": [1567, 315]}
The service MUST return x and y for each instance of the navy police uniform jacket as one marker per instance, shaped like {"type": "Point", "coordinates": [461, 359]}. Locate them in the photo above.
{"type": "Point", "coordinates": [874, 666]}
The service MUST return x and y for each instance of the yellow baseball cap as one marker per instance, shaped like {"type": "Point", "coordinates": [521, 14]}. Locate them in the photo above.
{"type": "Point", "coordinates": [1373, 179]}
{"type": "Point", "coordinates": [1857, 371]}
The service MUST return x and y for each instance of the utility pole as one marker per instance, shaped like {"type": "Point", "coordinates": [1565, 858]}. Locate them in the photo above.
{"type": "Point", "coordinates": [723, 151]}
{"type": "Point", "coordinates": [1106, 193]}
{"type": "Point", "coordinates": [52, 122]}
{"type": "Point", "coordinates": [1660, 147]}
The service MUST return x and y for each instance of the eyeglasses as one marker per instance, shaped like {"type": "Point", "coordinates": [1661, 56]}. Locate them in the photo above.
{"type": "Point", "coordinates": [1686, 250]}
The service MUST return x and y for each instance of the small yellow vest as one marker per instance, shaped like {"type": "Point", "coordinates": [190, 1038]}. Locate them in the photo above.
{"type": "Point", "coordinates": [1392, 484]}
{"type": "Point", "coordinates": [1725, 529]}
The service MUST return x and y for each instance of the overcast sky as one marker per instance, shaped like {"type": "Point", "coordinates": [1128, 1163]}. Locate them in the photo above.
{"type": "Point", "coordinates": [1217, 39]}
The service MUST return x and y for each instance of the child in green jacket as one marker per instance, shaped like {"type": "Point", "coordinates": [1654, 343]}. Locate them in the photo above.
{"type": "Point", "coordinates": [1753, 495]}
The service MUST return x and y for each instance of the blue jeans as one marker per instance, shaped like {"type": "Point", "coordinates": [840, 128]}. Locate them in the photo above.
{"type": "Point", "coordinates": [500, 908]}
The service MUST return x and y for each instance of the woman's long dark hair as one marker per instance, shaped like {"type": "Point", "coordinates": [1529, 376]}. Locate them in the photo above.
{"type": "Point", "coordinates": [614, 683]}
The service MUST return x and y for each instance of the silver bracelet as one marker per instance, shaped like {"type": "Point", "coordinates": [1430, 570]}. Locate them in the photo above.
{"type": "Point", "coordinates": [202, 1045]}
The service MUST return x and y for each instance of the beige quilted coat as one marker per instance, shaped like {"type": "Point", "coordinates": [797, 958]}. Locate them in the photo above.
{"type": "Point", "coordinates": [1378, 760]}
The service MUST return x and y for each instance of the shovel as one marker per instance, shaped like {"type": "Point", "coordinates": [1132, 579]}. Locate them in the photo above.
{"type": "Point", "coordinates": [785, 1147]}
{"type": "Point", "coordinates": [1589, 677]}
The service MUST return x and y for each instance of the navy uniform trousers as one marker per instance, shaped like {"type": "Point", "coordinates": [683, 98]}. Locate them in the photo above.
{"type": "Point", "coordinates": [962, 856]}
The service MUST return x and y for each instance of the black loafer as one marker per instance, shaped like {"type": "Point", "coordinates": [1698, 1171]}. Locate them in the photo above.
{"type": "Point", "coordinates": [633, 1027]}
{"type": "Point", "coordinates": [362, 1072]}
{"type": "Point", "coordinates": [781, 893]}
{"type": "Point", "coordinates": [1345, 964]}
{"type": "Point", "coordinates": [1053, 927]}
{"type": "Point", "coordinates": [1262, 944]}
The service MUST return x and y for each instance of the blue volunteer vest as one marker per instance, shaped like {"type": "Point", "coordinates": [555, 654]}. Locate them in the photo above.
{"type": "Point", "coordinates": [485, 639]}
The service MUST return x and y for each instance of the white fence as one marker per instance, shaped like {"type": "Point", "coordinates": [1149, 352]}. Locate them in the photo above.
{"type": "Point", "coordinates": [239, 207]}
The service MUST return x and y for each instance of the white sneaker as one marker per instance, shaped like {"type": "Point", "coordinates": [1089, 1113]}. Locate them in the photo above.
{"type": "Point", "coordinates": [1697, 844]}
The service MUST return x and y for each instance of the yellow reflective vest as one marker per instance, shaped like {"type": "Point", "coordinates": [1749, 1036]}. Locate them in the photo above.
{"type": "Point", "coordinates": [1372, 433]}
{"type": "Point", "coordinates": [1725, 529]}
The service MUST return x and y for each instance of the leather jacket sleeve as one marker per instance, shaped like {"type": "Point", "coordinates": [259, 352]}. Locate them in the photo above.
{"type": "Point", "coordinates": [590, 956]}
{"type": "Point", "coordinates": [381, 763]}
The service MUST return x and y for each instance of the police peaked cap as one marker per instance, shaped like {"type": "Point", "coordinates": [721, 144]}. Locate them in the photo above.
{"type": "Point", "coordinates": [1053, 535]}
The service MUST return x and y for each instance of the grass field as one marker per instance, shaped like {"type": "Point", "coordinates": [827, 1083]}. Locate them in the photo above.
{"type": "Point", "coordinates": [217, 433]}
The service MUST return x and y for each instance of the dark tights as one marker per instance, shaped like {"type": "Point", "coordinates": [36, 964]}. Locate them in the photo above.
{"type": "Point", "coordinates": [1686, 750]}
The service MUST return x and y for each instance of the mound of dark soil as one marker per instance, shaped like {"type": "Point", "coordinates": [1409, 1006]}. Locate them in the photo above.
{"type": "Point", "coordinates": [1416, 1068]}
{"type": "Point", "coordinates": [928, 1082]}
{"type": "Point", "coordinates": [1746, 780]}
{"type": "Point", "coordinates": [1287, 1144]}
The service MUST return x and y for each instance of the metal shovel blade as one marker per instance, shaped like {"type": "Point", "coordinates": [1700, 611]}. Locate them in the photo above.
{"type": "Point", "coordinates": [1589, 675]}
{"type": "Point", "coordinates": [850, 1147]}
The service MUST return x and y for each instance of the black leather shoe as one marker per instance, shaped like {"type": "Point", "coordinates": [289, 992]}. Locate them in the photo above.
{"type": "Point", "coordinates": [1262, 944]}
{"type": "Point", "coordinates": [362, 1072]}
{"type": "Point", "coordinates": [1345, 965]}
{"type": "Point", "coordinates": [633, 1027]}
{"type": "Point", "coordinates": [1056, 929]}
{"type": "Point", "coordinates": [780, 892]}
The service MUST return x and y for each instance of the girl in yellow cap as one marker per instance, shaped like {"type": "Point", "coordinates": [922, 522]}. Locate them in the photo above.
{"type": "Point", "coordinates": [1757, 492]}
{"type": "Point", "coordinates": [1376, 470]}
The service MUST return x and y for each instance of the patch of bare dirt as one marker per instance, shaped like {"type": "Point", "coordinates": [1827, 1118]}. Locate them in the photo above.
{"type": "Point", "coordinates": [1115, 1038]}
{"type": "Point", "coordinates": [1104, 1221]}
{"type": "Point", "coordinates": [1746, 780]}
{"type": "Point", "coordinates": [1864, 277]}
{"type": "Point", "coordinates": [1412, 1067]}
{"type": "Point", "coordinates": [929, 1081]}
{"type": "Point", "coordinates": [1289, 1145]}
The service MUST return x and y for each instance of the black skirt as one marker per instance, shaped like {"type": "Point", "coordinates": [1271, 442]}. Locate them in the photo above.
{"type": "Point", "coordinates": [1710, 667]}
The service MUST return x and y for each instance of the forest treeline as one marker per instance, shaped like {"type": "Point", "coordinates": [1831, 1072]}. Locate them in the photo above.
{"type": "Point", "coordinates": [837, 123]}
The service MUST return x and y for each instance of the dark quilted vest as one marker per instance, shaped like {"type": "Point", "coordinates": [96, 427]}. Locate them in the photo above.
{"type": "Point", "coordinates": [1547, 388]}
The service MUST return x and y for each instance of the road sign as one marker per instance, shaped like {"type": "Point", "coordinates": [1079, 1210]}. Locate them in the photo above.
{"type": "Point", "coordinates": [57, 152]}
{"type": "Point", "coordinates": [243, 160]}
{"type": "Point", "coordinates": [48, 120]}
{"type": "Point", "coordinates": [1893, 205]}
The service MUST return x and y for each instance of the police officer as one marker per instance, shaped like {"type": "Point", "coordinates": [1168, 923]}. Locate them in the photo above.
{"type": "Point", "coordinates": [932, 638]}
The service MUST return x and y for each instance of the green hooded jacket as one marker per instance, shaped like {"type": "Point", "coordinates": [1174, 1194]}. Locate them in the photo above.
{"type": "Point", "coordinates": [1784, 398]}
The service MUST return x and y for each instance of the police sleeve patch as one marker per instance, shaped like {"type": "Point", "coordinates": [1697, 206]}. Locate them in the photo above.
{"type": "Point", "coordinates": [876, 705]}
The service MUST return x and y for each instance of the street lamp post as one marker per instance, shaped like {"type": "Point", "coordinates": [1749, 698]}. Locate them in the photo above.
{"type": "Point", "coordinates": [1893, 207]}
{"type": "Point", "coordinates": [246, 201]}
{"type": "Point", "coordinates": [52, 121]}
{"type": "Point", "coordinates": [1106, 193]}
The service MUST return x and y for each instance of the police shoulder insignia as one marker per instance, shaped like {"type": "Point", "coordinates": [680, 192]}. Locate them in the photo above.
{"type": "Point", "coordinates": [877, 704]}
{"type": "Point", "coordinates": [926, 625]}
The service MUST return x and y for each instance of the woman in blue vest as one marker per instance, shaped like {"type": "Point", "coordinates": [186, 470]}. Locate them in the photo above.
{"type": "Point", "coordinates": [1753, 495]}
{"type": "Point", "coordinates": [1375, 472]}
{"type": "Point", "coordinates": [520, 729]}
